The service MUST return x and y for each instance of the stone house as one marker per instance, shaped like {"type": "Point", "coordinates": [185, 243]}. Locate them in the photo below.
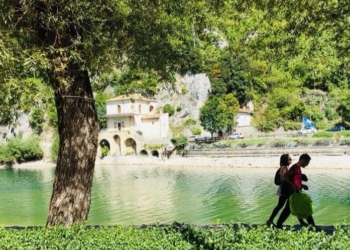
{"type": "Point", "coordinates": [243, 118]}
{"type": "Point", "coordinates": [134, 127]}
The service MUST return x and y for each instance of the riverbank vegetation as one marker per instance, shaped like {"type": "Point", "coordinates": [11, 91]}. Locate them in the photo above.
{"type": "Point", "coordinates": [172, 237]}
{"type": "Point", "coordinates": [20, 150]}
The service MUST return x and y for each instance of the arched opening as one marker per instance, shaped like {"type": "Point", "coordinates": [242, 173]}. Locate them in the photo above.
{"type": "Point", "coordinates": [119, 109]}
{"type": "Point", "coordinates": [130, 145]}
{"type": "Point", "coordinates": [143, 152]}
{"type": "Point", "coordinates": [116, 139]}
{"type": "Point", "coordinates": [105, 147]}
{"type": "Point", "coordinates": [151, 108]}
{"type": "Point", "coordinates": [155, 153]}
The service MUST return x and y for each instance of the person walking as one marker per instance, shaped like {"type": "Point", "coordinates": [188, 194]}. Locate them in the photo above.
{"type": "Point", "coordinates": [285, 161]}
{"type": "Point", "coordinates": [293, 183]}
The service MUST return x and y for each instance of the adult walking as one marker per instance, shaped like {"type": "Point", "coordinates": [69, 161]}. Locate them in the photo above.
{"type": "Point", "coordinates": [293, 181]}
{"type": "Point", "coordinates": [285, 161]}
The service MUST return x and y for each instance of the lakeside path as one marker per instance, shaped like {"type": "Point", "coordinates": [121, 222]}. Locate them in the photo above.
{"type": "Point", "coordinates": [317, 162]}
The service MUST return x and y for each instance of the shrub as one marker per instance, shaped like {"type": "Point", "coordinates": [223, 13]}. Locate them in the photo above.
{"type": "Point", "coordinates": [169, 109]}
{"type": "Point", "coordinates": [322, 143]}
{"type": "Point", "coordinates": [25, 150]}
{"type": "Point", "coordinates": [345, 142]}
{"type": "Point", "coordinates": [183, 89]}
{"type": "Point", "coordinates": [279, 144]}
{"type": "Point", "coordinates": [104, 150]}
{"type": "Point", "coordinates": [196, 131]}
{"type": "Point", "coordinates": [179, 142]}
{"type": "Point", "coordinates": [178, 108]}
{"type": "Point", "coordinates": [301, 143]}
{"type": "Point", "coordinates": [189, 122]}
{"type": "Point", "coordinates": [291, 126]}
{"type": "Point", "coordinates": [5, 155]}
{"type": "Point", "coordinates": [243, 145]}
{"type": "Point", "coordinates": [36, 119]}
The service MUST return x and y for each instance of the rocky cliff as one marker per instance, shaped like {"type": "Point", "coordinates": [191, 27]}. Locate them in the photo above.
{"type": "Point", "coordinates": [188, 95]}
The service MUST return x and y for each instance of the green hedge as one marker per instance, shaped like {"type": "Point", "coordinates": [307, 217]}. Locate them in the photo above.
{"type": "Point", "coordinates": [172, 237]}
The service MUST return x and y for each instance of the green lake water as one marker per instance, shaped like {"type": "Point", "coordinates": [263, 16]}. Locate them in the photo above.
{"type": "Point", "coordinates": [134, 195]}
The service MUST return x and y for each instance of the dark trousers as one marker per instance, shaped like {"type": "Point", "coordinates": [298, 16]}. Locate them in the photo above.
{"type": "Point", "coordinates": [285, 214]}
{"type": "Point", "coordinates": [281, 201]}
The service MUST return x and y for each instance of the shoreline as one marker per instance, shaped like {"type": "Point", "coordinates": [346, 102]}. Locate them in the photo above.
{"type": "Point", "coordinates": [272, 161]}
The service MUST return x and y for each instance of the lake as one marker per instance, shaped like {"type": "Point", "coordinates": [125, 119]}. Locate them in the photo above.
{"type": "Point", "coordinates": [134, 195]}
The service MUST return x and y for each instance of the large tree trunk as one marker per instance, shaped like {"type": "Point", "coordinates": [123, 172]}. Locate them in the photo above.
{"type": "Point", "coordinates": [78, 133]}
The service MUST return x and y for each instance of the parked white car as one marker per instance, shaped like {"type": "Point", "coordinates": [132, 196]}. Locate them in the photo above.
{"type": "Point", "coordinates": [305, 131]}
{"type": "Point", "coordinates": [236, 135]}
{"type": "Point", "coordinates": [192, 138]}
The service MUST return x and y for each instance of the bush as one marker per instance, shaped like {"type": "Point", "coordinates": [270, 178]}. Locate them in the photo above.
{"type": "Point", "coordinates": [104, 150]}
{"type": "Point", "coordinates": [302, 143]}
{"type": "Point", "coordinates": [196, 131]}
{"type": "Point", "coordinates": [25, 150]}
{"type": "Point", "coordinates": [189, 122]}
{"type": "Point", "coordinates": [169, 109]}
{"type": "Point", "coordinates": [243, 145]}
{"type": "Point", "coordinates": [345, 142]}
{"type": "Point", "coordinates": [322, 143]}
{"type": "Point", "coordinates": [5, 155]}
{"type": "Point", "coordinates": [279, 144]}
{"type": "Point", "coordinates": [291, 126]}
{"type": "Point", "coordinates": [179, 142]}
{"type": "Point", "coordinates": [183, 89]}
{"type": "Point", "coordinates": [36, 119]}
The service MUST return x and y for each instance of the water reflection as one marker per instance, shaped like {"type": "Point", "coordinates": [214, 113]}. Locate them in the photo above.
{"type": "Point", "coordinates": [148, 194]}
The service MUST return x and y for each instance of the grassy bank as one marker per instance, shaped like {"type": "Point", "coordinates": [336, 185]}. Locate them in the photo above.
{"type": "Point", "coordinates": [173, 237]}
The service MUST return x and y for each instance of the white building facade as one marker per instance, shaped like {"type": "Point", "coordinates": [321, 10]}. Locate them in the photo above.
{"type": "Point", "coordinates": [134, 127]}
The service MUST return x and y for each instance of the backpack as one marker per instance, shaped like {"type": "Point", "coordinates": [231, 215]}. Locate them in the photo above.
{"type": "Point", "coordinates": [278, 180]}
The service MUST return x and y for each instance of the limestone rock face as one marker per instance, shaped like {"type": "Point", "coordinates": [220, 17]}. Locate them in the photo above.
{"type": "Point", "coordinates": [187, 95]}
{"type": "Point", "coordinates": [19, 126]}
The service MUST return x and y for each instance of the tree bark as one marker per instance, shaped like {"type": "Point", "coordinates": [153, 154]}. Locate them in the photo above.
{"type": "Point", "coordinates": [78, 133]}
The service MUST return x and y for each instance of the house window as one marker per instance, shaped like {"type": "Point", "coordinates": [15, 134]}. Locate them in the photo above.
{"type": "Point", "coordinates": [140, 108]}
{"type": "Point", "coordinates": [151, 108]}
{"type": "Point", "coordinates": [119, 109]}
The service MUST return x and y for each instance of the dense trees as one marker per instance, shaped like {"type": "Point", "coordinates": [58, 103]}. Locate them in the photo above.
{"type": "Point", "coordinates": [218, 113]}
